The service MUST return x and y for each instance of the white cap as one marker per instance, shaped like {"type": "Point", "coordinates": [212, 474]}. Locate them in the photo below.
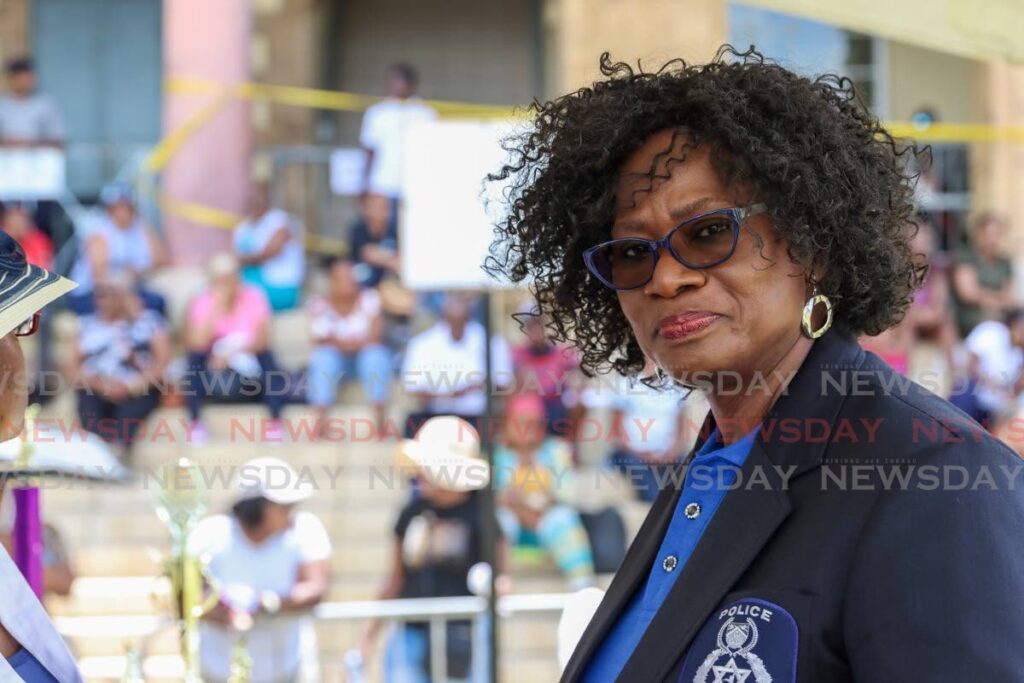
{"type": "Point", "coordinates": [273, 479]}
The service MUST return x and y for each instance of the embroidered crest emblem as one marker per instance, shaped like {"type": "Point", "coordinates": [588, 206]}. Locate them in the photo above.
{"type": "Point", "coordinates": [735, 642]}
{"type": "Point", "coordinates": [746, 641]}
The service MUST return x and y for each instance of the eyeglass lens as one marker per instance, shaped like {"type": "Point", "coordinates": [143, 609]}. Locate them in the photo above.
{"type": "Point", "coordinates": [700, 243]}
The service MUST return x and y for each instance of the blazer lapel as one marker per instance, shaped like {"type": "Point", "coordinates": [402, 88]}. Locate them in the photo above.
{"type": "Point", "coordinates": [743, 523]}
{"type": "Point", "coordinates": [634, 570]}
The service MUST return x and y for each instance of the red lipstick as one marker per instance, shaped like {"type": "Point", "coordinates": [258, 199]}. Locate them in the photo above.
{"type": "Point", "coordinates": [685, 324]}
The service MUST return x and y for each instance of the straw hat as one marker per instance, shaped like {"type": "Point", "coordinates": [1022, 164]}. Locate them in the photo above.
{"type": "Point", "coordinates": [24, 289]}
{"type": "Point", "coordinates": [446, 451]}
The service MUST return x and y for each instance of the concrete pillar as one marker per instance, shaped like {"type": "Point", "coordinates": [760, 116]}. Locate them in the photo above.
{"type": "Point", "coordinates": [208, 40]}
{"type": "Point", "coordinates": [998, 173]}
{"type": "Point", "coordinates": [578, 31]}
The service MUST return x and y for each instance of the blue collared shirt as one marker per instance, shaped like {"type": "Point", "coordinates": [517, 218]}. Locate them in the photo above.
{"type": "Point", "coordinates": [711, 473]}
{"type": "Point", "coordinates": [28, 667]}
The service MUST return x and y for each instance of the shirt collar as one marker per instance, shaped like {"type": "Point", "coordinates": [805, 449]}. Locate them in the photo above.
{"type": "Point", "coordinates": [735, 453]}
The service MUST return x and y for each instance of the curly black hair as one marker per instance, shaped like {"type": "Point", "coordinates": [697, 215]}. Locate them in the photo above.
{"type": "Point", "coordinates": [838, 186]}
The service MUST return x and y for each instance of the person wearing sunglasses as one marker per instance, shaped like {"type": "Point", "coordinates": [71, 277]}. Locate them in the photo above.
{"type": "Point", "coordinates": [31, 649]}
{"type": "Point", "coordinates": [731, 228]}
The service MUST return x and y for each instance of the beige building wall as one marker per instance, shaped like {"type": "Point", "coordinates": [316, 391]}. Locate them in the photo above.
{"type": "Point", "coordinates": [14, 33]}
{"type": "Point", "coordinates": [654, 31]}
{"type": "Point", "coordinates": [1000, 167]}
{"type": "Point", "coordinates": [285, 50]}
{"type": "Point", "coordinates": [480, 51]}
{"type": "Point", "coordinates": [952, 86]}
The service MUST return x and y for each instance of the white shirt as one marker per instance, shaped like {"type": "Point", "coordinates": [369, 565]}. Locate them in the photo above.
{"type": "Point", "coordinates": [34, 119]}
{"type": "Point", "coordinates": [126, 249]}
{"type": "Point", "coordinates": [325, 321]}
{"type": "Point", "coordinates": [649, 417]}
{"type": "Point", "coordinates": [287, 268]}
{"type": "Point", "coordinates": [999, 363]}
{"type": "Point", "coordinates": [244, 570]}
{"type": "Point", "coordinates": [436, 363]}
{"type": "Point", "coordinates": [384, 131]}
{"type": "Point", "coordinates": [23, 616]}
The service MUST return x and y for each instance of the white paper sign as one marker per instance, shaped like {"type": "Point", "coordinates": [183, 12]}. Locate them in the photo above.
{"type": "Point", "coordinates": [449, 212]}
{"type": "Point", "coordinates": [36, 173]}
{"type": "Point", "coordinates": [347, 168]}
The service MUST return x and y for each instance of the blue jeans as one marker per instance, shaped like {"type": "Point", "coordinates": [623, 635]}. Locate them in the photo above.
{"type": "Point", "coordinates": [328, 367]}
{"type": "Point", "coordinates": [406, 656]}
{"type": "Point", "coordinates": [227, 385]}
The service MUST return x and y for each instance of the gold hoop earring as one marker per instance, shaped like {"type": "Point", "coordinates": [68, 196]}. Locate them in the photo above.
{"type": "Point", "coordinates": [806, 324]}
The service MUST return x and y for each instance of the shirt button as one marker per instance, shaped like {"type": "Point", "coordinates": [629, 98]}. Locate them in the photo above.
{"type": "Point", "coordinates": [692, 510]}
{"type": "Point", "coordinates": [670, 563]}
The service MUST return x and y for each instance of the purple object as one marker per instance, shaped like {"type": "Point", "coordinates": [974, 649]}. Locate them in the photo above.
{"type": "Point", "coordinates": [28, 537]}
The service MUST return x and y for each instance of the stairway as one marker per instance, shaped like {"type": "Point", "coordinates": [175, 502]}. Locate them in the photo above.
{"type": "Point", "coordinates": [116, 542]}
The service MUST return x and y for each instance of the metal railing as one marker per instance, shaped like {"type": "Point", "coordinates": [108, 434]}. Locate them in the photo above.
{"type": "Point", "coordinates": [435, 611]}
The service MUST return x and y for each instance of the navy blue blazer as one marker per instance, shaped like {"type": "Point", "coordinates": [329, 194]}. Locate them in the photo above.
{"type": "Point", "coordinates": [876, 534]}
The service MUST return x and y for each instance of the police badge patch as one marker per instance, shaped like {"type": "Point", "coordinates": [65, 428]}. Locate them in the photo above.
{"type": "Point", "coordinates": [745, 641]}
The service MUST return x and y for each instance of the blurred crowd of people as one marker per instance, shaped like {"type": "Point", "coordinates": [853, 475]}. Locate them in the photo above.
{"type": "Point", "coordinates": [963, 337]}
{"type": "Point", "coordinates": [132, 353]}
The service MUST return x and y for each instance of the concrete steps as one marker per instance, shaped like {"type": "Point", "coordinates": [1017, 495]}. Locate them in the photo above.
{"type": "Point", "coordinates": [117, 543]}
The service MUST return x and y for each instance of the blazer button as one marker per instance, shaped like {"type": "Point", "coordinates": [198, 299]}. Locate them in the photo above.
{"type": "Point", "coordinates": [692, 510]}
{"type": "Point", "coordinates": [670, 563]}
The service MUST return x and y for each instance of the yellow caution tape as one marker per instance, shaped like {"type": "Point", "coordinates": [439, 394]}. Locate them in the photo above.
{"type": "Point", "coordinates": [345, 101]}
{"type": "Point", "coordinates": [200, 214]}
{"type": "Point", "coordinates": [957, 132]}
{"type": "Point", "coordinates": [353, 102]}
{"type": "Point", "coordinates": [325, 99]}
{"type": "Point", "coordinates": [174, 141]}
{"type": "Point", "coordinates": [226, 220]}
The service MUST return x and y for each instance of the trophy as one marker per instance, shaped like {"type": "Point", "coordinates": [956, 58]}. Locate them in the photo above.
{"type": "Point", "coordinates": [241, 663]}
{"type": "Point", "coordinates": [180, 504]}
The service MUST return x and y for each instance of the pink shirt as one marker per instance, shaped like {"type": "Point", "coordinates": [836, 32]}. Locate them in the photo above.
{"type": "Point", "coordinates": [250, 312]}
{"type": "Point", "coordinates": [545, 371]}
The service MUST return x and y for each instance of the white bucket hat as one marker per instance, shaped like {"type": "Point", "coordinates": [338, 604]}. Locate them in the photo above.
{"type": "Point", "coordinates": [273, 479]}
{"type": "Point", "coordinates": [24, 289]}
{"type": "Point", "coordinates": [446, 451]}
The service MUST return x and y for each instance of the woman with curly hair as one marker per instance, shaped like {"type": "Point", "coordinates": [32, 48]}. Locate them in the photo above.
{"type": "Point", "coordinates": [731, 228]}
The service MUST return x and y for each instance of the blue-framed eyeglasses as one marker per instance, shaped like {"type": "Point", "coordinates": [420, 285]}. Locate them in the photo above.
{"type": "Point", "coordinates": [701, 242]}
